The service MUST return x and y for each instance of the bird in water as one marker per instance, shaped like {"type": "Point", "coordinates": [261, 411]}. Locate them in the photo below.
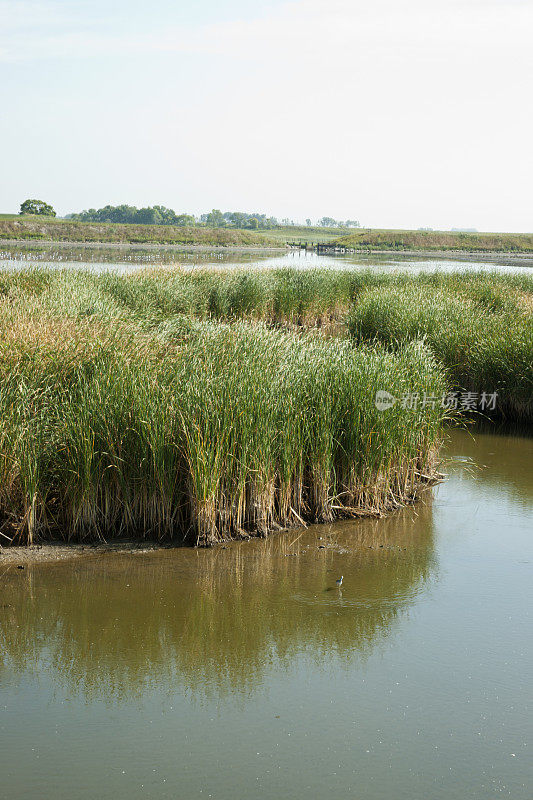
{"type": "Point", "coordinates": [339, 580]}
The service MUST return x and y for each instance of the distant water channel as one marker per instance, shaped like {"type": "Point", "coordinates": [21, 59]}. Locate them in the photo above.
{"type": "Point", "coordinates": [129, 257]}
{"type": "Point", "coordinates": [244, 672]}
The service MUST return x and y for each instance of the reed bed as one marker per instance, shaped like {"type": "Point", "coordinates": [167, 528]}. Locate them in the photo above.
{"type": "Point", "coordinates": [478, 324]}
{"type": "Point", "coordinates": [286, 296]}
{"type": "Point", "coordinates": [296, 297]}
{"type": "Point", "coordinates": [133, 419]}
{"type": "Point", "coordinates": [482, 334]}
{"type": "Point", "coordinates": [281, 296]}
{"type": "Point", "coordinates": [203, 405]}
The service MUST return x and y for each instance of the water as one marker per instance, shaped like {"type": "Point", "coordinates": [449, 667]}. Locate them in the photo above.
{"type": "Point", "coordinates": [245, 673]}
{"type": "Point", "coordinates": [128, 257]}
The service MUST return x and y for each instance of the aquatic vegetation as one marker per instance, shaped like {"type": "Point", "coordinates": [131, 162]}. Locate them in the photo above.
{"type": "Point", "coordinates": [482, 334]}
{"type": "Point", "coordinates": [296, 297]}
{"type": "Point", "coordinates": [204, 405]}
{"type": "Point", "coordinates": [152, 423]}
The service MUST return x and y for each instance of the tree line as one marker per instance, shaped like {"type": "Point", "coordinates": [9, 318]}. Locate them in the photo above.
{"type": "Point", "coordinates": [161, 215]}
{"type": "Point", "coordinates": [150, 215]}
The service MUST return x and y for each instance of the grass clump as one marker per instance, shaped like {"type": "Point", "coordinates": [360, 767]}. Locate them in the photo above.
{"type": "Point", "coordinates": [482, 334]}
{"type": "Point", "coordinates": [296, 297]}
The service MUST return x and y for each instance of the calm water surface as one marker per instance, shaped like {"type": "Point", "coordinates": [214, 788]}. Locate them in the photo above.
{"type": "Point", "coordinates": [245, 673]}
{"type": "Point", "coordinates": [125, 258]}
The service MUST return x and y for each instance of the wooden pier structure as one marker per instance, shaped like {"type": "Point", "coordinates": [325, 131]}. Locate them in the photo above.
{"type": "Point", "coordinates": [320, 247]}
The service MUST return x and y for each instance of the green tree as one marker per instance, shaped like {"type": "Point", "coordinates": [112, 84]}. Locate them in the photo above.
{"type": "Point", "coordinates": [215, 219]}
{"type": "Point", "coordinates": [185, 220]}
{"type": "Point", "coordinates": [37, 207]}
{"type": "Point", "coordinates": [148, 216]}
{"type": "Point", "coordinates": [168, 215]}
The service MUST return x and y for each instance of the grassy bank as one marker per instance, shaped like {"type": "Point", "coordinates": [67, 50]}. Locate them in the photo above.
{"type": "Point", "coordinates": [142, 421]}
{"type": "Point", "coordinates": [59, 230]}
{"type": "Point", "coordinates": [295, 234]}
{"type": "Point", "coordinates": [437, 240]}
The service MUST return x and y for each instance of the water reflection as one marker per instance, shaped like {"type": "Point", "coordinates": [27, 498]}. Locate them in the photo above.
{"type": "Point", "coordinates": [127, 257]}
{"type": "Point", "coordinates": [495, 458]}
{"type": "Point", "coordinates": [245, 672]}
{"type": "Point", "coordinates": [214, 621]}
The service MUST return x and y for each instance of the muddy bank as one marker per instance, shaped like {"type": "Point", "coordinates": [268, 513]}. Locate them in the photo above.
{"type": "Point", "coordinates": [59, 551]}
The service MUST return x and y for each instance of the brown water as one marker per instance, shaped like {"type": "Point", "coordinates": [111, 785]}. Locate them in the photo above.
{"type": "Point", "coordinates": [245, 672]}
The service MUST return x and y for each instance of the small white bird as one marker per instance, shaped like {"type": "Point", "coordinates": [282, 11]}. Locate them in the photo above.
{"type": "Point", "coordinates": [339, 580]}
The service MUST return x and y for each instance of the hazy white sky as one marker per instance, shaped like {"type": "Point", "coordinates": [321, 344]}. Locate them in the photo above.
{"type": "Point", "coordinates": [400, 114]}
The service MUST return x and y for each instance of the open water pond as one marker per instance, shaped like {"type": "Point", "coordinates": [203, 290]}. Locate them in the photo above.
{"type": "Point", "coordinates": [127, 257]}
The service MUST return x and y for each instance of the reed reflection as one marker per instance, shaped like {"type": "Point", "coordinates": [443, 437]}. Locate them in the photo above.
{"type": "Point", "coordinates": [212, 622]}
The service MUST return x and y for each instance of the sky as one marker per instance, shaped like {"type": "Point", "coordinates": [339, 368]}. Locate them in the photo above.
{"type": "Point", "coordinates": [399, 114]}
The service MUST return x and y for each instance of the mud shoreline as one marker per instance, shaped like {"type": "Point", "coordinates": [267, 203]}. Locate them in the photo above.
{"type": "Point", "coordinates": [52, 552]}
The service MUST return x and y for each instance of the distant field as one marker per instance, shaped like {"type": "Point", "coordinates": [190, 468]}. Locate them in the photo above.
{"type": "Point", "coordinates": [12, 226]}
{"type": "Point", "coordinates": [60, 230]}
{"type": "Point", "coordinates": [304, 234]}
{"type": "Point", "coordinates": [50, 229]}
{"type": "Point", "coordinates": [438, 240]}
